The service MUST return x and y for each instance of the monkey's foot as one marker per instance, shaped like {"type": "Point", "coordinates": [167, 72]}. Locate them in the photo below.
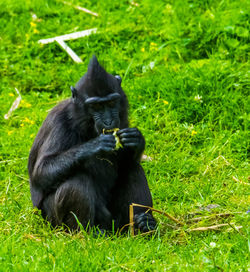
{"type": "Point", "coordinates": [145, 222]}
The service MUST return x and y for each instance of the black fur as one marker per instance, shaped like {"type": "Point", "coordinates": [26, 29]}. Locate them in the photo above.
{"type": "Point", "coordinates": [74, 168]}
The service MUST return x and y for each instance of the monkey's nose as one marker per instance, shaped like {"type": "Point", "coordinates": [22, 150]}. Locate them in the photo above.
{"type": "Point", "coordinates": [107, 123]}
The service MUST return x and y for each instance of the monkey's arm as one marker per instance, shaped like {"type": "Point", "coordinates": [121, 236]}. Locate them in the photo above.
{"type": "Point", "coordinates": [52, 167]}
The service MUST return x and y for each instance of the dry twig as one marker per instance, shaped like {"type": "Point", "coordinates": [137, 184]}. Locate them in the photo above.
{"type": "Point", "coordinates": [216, 159]}
{"type": "Point", "coordinates": [240, 181]}
{"type": "Point", "coordinates": [14, 106]}
{"type": "Point", "coordinates": [197, 219]}
{"type": "Point", "coordinates": [215, 227]}
{"type": "Point", "coordinates": [82, 9]}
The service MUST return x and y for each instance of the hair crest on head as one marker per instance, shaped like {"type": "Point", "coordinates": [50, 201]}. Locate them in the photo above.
{"type": "Point", "coordinates": [96, 81]}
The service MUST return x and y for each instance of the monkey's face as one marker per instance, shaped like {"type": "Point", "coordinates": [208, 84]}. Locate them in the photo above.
{"type": "Point", "coordinates": [104, 111]}
{"type": "Point", "coordinates": [102, 98]}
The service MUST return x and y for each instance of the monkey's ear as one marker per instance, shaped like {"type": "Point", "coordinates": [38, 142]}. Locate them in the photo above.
{"type": "Point", "coordinates": [119, 79]}
{"type": "Point", "coordinates": [74, 91]}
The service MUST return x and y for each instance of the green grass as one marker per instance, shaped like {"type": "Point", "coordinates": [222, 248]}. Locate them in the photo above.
{"type": "Point", "coordinates": [168, 53]}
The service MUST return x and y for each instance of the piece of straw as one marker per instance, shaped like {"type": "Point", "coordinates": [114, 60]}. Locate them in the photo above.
{"type": "Point", "coordinates": [215, 227]}
{"type": "Point", "coordinates": [14, 106]}
{"type": "Point", "coordinates": [197, 219]}
{"type": "Point", "coordinates": [240, 181]}
{"type": "Point", "coordinates": [82, 9]}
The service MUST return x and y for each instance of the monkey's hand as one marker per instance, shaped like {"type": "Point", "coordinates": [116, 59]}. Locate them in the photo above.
{"type": "Point", "coordinates": [117, 139]}
{"type": "Point", "coordinates": [103, 144]}
{"type": "Point", "coordinates": [133, 139]}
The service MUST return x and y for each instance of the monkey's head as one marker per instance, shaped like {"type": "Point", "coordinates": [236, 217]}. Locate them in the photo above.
{"type": "Point", "coordinates": [99, 95]}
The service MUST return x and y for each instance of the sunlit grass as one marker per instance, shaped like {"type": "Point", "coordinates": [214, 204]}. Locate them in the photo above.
{"type": "Point", "coordinates": [185, 71]}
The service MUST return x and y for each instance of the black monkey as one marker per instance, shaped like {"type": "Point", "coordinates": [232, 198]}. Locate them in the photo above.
{"type": "Point", "coordinates": [75, 169]}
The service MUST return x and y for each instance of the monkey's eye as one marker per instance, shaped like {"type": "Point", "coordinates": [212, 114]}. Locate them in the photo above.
{"type": "Point", "coordinates": [111, 104]}
{"type": "Point", "coordinates": [97, 106]}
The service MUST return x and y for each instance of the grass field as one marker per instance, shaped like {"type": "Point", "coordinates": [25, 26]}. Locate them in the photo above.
{"type": "Point", "coordinates": [185, 70]}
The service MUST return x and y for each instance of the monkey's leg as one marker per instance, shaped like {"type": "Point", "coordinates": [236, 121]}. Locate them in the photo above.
{"type": "Point", "coordinates": [73, 197]}
{"type": "Point", "coordinates": [133, 188]}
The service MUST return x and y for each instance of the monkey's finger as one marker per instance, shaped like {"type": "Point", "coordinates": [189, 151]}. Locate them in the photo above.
{"type": "Point", "coordinates": [127, 130]}
{"type": "Point", "coordinates": [109, 142]}
{"type": "Point", "coordinates": [130, 135]}
{"type": "Point", "coordinates": [139, 217]}
{"type": "Point", "coordinates": [143, 217]}
{"type": "Point", "coordinates": [107, 137]}
{"type": "Point", "coordinates": [133, 145]}
{"type": "Point", "coordinates": [108, 148]}
{"type": "Point", "coordinates": [129, 140]}
{"type": "Point", "coordinates": [129, 144]}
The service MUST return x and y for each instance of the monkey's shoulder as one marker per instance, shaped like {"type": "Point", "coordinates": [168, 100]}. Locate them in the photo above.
{"type": "Point", "coordinates": [60, 113]}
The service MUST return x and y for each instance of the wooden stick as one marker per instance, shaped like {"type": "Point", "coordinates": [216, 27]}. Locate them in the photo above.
{"type": "Point", "coordinates": [70, 52]}
{"type": "Point", "coordinates": [131, 220]}
{"type": "Point", "coordinates": [160, 212]}
{"type": "Point", "coordinates": [123, 227]}
{"type": "Point", "coordinates": [70, 36]}
{"type": "Point", "coordinates": [60, 40]}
